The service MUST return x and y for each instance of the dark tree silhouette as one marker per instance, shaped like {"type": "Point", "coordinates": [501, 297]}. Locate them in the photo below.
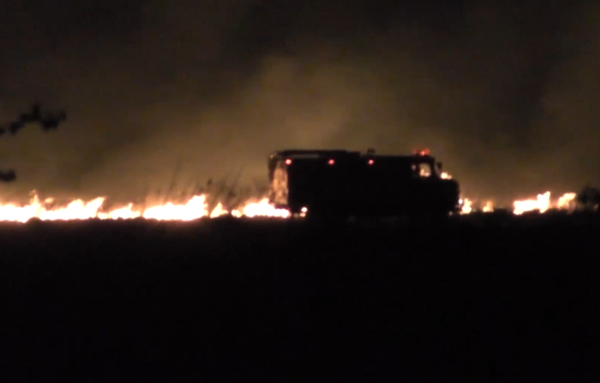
{"type": "Point", "coordinates": [589, 198]}
{"type": "Point", "coordinates": [48, 120]}
{"type": "Point", "coordinates": [7, 176]}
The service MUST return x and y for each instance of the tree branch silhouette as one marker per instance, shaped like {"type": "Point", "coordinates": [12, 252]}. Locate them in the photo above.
{"type": "Point", "coordinates": [49, 120]}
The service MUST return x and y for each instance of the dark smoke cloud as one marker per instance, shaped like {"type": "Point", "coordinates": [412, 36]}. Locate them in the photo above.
{"type": "Point", "coordinates": [502, 94]}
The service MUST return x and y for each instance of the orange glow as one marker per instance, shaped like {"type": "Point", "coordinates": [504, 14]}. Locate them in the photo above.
{"type": "Point", "coordinates": [195, 208]}
{"type": "Point", "coordinates": [543, 202]}
{"type": "Point", "coordinates": [423, 152]}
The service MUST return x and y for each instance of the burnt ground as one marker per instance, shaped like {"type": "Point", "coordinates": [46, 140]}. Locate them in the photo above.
{"type": "Point", "coordinates": [474, 299]}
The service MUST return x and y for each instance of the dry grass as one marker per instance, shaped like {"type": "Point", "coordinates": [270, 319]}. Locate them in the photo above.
{"type": "Point", "coordinates": [224, 191]}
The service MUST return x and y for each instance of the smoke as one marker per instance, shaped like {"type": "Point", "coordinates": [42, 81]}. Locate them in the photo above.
{"type": "Point", "coordinates": [501, 94]}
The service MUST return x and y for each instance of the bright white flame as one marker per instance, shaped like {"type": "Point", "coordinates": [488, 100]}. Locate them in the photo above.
{"type": "Point", "coordinates": [194, 208]}
{"type": "Point", "coordinates": [197, 207]}
{"type": "Point", "coordinates": [218, 211]}
{"type": "Point", "coordinates": [566, 201]}
{"type": "Point", "coordinates": [122, 213]}
{"type": "Point", "coordinates": [264, 209]}
{"type": "Point", "coordinates": [466, 206]}
{"type": "Point", "coordinates": [489, 207]}
{"type": "Point", "coordinates": [541, 203]}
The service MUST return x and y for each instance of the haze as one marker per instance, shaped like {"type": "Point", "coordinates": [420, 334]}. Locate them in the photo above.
{"type": "Point", "coordinates": [504, 95]}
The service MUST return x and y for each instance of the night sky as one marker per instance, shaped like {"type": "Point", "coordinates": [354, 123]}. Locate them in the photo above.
{"type": "Point", "coordinates": [503, 94]}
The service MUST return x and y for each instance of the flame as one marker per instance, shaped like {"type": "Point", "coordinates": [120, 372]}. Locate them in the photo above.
{"type": "Point", "coordinates": [542, 203]}
{"type": "Point", "coordinates": [566, 201]}
{"type": "Point", "coordinates": [489, 207]}
{"type": "Point", "coordinates": [264, 209]}
{"type": "Point", "coordinates": [197, 207]}
{"type": "Point", "coordinates": [466, 206]}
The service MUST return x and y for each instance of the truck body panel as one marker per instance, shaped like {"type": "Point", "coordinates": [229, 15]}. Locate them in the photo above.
{"type": "Point", "coordinates": [351, 183]}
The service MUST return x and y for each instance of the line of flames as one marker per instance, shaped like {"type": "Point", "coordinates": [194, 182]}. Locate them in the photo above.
{"type": "Point", "coordinates": [197, 207]}
{"type": "Point", "coordinates": [541, 203]}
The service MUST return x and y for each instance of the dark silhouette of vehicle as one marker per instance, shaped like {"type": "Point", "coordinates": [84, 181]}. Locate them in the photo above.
{"type": "Point", "coordinates": [49, 120]}
{"type": "Point", "coordinates": [349, 183]}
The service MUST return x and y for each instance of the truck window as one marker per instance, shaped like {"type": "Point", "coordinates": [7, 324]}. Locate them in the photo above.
{"type": "Point", "coordinates": [421, 170]}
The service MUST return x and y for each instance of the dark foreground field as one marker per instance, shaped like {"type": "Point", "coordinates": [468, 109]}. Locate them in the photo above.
{"type": "Point", "coordinates": [486, 300]}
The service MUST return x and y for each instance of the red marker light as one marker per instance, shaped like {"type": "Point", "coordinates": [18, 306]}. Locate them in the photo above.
{"type": "Point", "coordinates": [288, 162]}
{"type": "Point", "coordinates": [331, 162]}
{"type": "Point", "coordinates": [371, 162]}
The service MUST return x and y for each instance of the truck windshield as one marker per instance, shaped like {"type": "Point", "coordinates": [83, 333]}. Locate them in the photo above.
{"type": "Point", "coordinates": [422, 170]}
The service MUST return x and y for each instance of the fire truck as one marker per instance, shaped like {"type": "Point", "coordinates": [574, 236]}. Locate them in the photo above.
{"type": "Point", "coordinates": [351, 183]}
